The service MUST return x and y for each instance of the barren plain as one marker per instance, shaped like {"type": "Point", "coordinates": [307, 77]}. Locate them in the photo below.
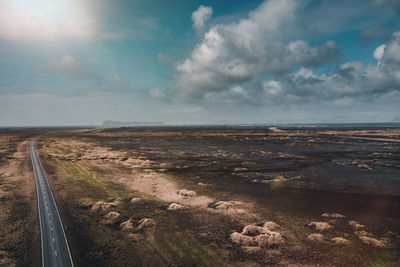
{"type": "Point", "coordinates": [220, 196]}
{"type": "Point", "coordinates": [19, 231]}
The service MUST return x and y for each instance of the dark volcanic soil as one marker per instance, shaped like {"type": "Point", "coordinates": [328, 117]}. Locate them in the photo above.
{"type": "Point", "coordinates": [344, 159]}
{"type": "Point", "coordinates": [292, 175]}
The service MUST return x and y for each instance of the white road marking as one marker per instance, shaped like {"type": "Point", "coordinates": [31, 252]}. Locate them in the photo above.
{"type": "Point", "coordinates": [54, 240]}
{"type": "Point", "coordinates": [55, 252]}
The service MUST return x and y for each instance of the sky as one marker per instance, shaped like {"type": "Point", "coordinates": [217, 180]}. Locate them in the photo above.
{"type": "Point", "coordinates": [81, 62]}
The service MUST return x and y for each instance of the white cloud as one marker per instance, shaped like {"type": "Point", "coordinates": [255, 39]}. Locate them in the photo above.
{"type": "Point", "coordinates": [244, 51]}
{"type": "Point", "coordinates": [272, 88]}
{"type": "Point", "coordinates": [392, 50]}
{"type": "Point", "coordinates": [253, 61]}
{"type": "Point", "coordinates": [218, 72]}
{"type": "Point", "coordinates": [156, 93]}
{"type": "Point", "coordinates": [378, 53]}
{"type": "Point", "coordinates": [200, 16]}
{"type": "Point", "coordinates": [350, 81]}
{"type": "Point", "coordinates": [67, 65]}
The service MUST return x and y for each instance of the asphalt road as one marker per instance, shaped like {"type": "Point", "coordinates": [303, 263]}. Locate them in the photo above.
{"type": "Point", "coordinates": [54, 245]}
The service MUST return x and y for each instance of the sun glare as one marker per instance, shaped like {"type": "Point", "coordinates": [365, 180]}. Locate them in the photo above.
{"type": "Point", "coordinates": [45, 20]}
{"type": "Point", "coordinates": [45, 8]}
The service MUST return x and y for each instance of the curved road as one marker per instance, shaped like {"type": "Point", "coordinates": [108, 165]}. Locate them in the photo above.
{"type": "Point", "coordinates": [55, 250]}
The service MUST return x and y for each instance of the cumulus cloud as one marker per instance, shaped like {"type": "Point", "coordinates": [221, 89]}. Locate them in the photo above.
{"type": "Point", "coordinates": [241, 53]}
{"type": "Point", "coordinates": [378, 53]}
{"type": "Point", "coordinates": [254, 61]}
{"type": "Point", "coordinates": [391, 53]}
{"type": "Point", "coordinates": [352, 80]}
{"type": "Point", "coordinates": [69, 66]}
{"type": "Point", "coordinates": [249, 61]}
{"type": "Point", "coordinates": [200, 17]}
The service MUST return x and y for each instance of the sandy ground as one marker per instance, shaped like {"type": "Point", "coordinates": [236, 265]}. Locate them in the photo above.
{"type": "Point", "coordinates": [136, 174]}
{"type": "Point", "coordinates": [19, 229]}
{"type": "Point", "coordinates": [161, 187]}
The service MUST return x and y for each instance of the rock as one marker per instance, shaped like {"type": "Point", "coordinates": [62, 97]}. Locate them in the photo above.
{"type": "Point", "coordinates": [244, 240]}
{"type": "Point", "coordinates": [321, 226]}
{"type": "Point", "coordinates": [187, 193]}
{"type": "Point", "coordinates": [316, 237]}
{"type": "Point", "coordinates": [101, 206]}
{"type": "Point", "coordinates": [111, 217]}
{"type": "Point", "coordinates": [269, 238]}
{"type": "Point", "coordinates": [356, 225]}
{"type": "Point", "coordinates": [340, 241]}
{"type": "Point", "coordinates": [372, 241]}
{"type": "Point", "coordinates": [254, 230]}
{"type": "Point", "coordinates": [175, 206]}
{"type": "Point", "coordinates": [332, 215]}
{"type": "Point", "coordinates": [146, 223]}
{"type": "Point", "coordinates": [223, 205]}
{"type": "Point", "coordinates": [364, 166]}
{"type": "Point", "coordinates": [271, 225]}
{"type": "Point", "coordinates": [368, 239]}
{"type": "Point", "coordinates": [230, 206]}
{"type": "Point", "coordinates": [136, 199]}
{"type": "Point", "coordinates": [127, 225]}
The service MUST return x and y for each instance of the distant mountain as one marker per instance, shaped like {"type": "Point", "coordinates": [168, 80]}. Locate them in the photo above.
{"type": "Point", "coordinates": [397, 119]}
{"type": "Point", "coordinates": [333, 119]}
{"type": "Point", "coordinates": [130, 123]}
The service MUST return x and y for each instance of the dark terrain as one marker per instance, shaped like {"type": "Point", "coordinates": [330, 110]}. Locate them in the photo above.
{"type": "Point", "coordinates": [291, 175]}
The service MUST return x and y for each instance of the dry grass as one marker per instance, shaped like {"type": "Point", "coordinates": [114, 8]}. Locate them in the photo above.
{"type": "Point", "coordinates": [111, 217]}
{"type": "Point", "coordinates": [127, 225]}
{"type": "Point", "coordinates": [146, 223]}
{"type": "Point", "coordinates": [340, 241]}
{"type": "Point", "coordinates": [243, 240]}
{"type": "Point", "coordinates": [356, 225]}
{"type": "Point", "coordinates": [316, 237]}
{"type": "Point", "coordinates": [321, 226]}
{"type": "Point", "coordinates": [369, 239]}
{"type": "Point", "coordinates": [175, 206]}
{"type": "Point", "coordinates": [159, 164]}
{"type": "Point", "coordinates": [101, 207]}
{"type": "Point", "coordinates": [333, 215]}
{"type": "Point", "coordinates": [131, 217]}
{"type": "Point", "coordinates": [19, 231]}
{"type": "Point", "coordinates": [187, 193]}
